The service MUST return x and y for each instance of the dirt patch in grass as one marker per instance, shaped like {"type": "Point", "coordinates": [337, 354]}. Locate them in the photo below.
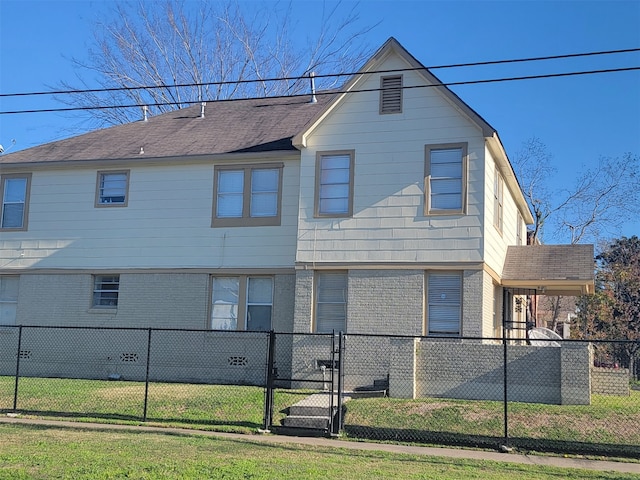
{"type": "Point", "coordinates": [118, 393]}
{"type": "Point", "coordinates": [477, 415]}
{"type": "Point", "coordinates": [423, 408]}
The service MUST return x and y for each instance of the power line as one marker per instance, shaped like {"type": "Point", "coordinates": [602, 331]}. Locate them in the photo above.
{"type": "Point", "coordinates": [328, 75]}
{"type": "Point", "coordinates": [332, 92]}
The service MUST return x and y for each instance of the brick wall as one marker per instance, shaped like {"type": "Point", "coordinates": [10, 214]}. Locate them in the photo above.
{"type": "Point", "coordinates": [610, 381]}
{"type": "Point", "coordinates": [453, 369]}
{"type": "Point", "coordinates": [144, 300]}
{"type": "Point", "coordinates": [385, 302]}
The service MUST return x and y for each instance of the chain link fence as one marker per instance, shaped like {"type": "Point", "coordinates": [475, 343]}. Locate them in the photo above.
{"type": "Point", "coordinates": [565, 396]}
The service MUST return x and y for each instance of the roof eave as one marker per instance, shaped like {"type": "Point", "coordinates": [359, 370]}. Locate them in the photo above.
{"type": "Point", "coordinates": [146, 160]}
{"type": "Point", "coordinates": [497, 150]}
{"type": "Point", "coordinates": [568, 287]}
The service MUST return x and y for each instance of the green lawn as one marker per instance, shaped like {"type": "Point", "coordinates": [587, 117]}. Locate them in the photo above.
{"type": "Point", "coordinates": [30, 452]}
{"type": "Point", "coordinates": [227, 408]}
{"type": "Point", "coordinates": [606, 420]}
{"type": "Point", "coordinates": [610, 426]}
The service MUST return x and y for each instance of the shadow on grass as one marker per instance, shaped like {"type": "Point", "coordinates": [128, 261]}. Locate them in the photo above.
{"type": "Point", "coordinates": [468, 440]}
{"type": "Point", "coordinates": [51, 414]}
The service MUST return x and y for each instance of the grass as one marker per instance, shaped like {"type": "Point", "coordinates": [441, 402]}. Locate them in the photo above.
{"type": "Point", "coordinates": [609, 426]}
{"type": "Point", "coordinates": [607, 419]}
{"type": "Point", "coordinates": [228, 408]}
{"type": "Point", "coordinates": [30, 452]}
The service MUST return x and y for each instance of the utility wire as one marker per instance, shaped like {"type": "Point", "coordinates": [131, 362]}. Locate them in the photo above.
{"type": "Point", "coordinates": [330, 92]}
{"type": "Point", "coordinates": [328, 75]}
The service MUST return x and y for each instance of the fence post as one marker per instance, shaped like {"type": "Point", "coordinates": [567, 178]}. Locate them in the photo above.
{"type": "Point", "coordinates": [337, 426]}
{"type": "Point", "coordinates": [271, 375]}
{"type": "Point", "coordinates": [505, 446]}
{"type": "Point", "coordinates": [15, 388]}
{"type": "Point", "coordinates": [146, 378]}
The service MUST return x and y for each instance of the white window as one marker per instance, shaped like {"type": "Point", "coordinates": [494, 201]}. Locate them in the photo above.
{"type": "Point", "coordinates": [247, 195]}
{"type": "Point", "coordinates": [105, 291]}
{"type": "Point", "coordinates": [224, 309]}
{"type": "Point", "coordinates": [255, 308]}
{"type": "Point", "coordinates": [8, 299]}
{"type": "Point", "coordinates": [445, 179]}
{"type": "Point", "coordinates": [391, 94]}
{"type": "Point", "coordinates": [112, 189]}
{"type": "Point", "coordinates": [334, 184]}
{"type": "Point", "coordinates": [14, 192]}
{"type": "Point", "coordinates": [331, 302]}
{"type": "Point", "coordinates": [259, 303]}
{"type": "Point", "coordinates": [444, 296]}
{"type": "Point", "coordinates": [498, 201]}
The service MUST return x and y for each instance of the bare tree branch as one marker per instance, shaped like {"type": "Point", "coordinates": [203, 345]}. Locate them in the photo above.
{"type": "Point", "coordinates": [600, 200]}
{"type": "Point", "coordinates": [202, 42]}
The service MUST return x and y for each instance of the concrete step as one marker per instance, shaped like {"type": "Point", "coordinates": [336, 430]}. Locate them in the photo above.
{"type": "Point", "coordinates": [308, 422]}
{"type": "Point", "coordinates": [366, 393]}
{"type": "Point", "coordinates": [316, 405]}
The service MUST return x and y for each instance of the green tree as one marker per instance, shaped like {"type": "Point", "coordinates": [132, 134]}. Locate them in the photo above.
{"type": "Point", "coordinates": [613, 312]}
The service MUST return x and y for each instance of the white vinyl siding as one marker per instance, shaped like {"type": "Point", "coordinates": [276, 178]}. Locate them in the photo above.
{"type": "Point", "coordinates": [334, 186]}
{"type": "Point", "coordinates": [112, 189]}
{"type": "Point", "coordinates": [519, 238]}
{"type": "Point", "coordinates": [391, 94]}
{"type": "Point", "coordinates": [445, 179]}
{"type": "Point", "coordinates": [444, 297]}
{"type": "Point", "coordinates": [255, 309]}
{"type": "Point", "coordinates": [14, 192]}
{"type": "Point", "coordinates": [8, 299]}
{"type": "Point", "coordinates": [498, 201]}
{"type": "Point", "coordinates": [105, 291]}
{"type": "Point", "coordinates": [331, 302]}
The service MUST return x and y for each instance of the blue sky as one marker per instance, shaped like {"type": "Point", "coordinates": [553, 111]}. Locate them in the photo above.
{"type": "Point", "coordinates": [579, 118]}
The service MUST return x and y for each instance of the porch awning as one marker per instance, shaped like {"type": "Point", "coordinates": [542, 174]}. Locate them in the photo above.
{"type": "Point", "coordinates": [550, 269]}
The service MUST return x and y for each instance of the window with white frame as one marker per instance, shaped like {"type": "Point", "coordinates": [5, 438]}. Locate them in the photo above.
{"type": "Point", "coordinates": [444, 298]}
{"type": "Point", "coordinates": [391, 94]}
{"type": "Point", "coordinates": [247, 195]}
{"type": "Point", "coordinates": [249, 298]}
{"type": "Point", "coordinates": [8, 299]}
{"type": "Point", "coordinates": [14, 193]}
{"type": "Point", "coordinates": [331, 302]}
{"type": "Point", "coordinates": [498, 201]}
{"type": "Point", "coordinates": [112, 189]}
{"type": "Point", "coordinates": [446, 179]}
{"type": "Point", "coordinates": [105, 291]}
{"type": "Point", "coordinates": [334, 184]}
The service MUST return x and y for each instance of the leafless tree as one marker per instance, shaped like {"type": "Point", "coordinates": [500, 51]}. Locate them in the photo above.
{"type": "Point", "coordinates": [217, 50]}
{"type": "Point", "coordinates": [593, 205]}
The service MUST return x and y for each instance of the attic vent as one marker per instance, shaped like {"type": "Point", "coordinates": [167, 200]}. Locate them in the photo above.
{"type": "Point", "coordinates": [391, 94]}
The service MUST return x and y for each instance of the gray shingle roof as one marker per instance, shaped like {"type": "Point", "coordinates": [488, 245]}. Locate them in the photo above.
{"type": "Point", "coordinates": [254, 125]}
{"type": "Point", "coordinates": [549, 262]}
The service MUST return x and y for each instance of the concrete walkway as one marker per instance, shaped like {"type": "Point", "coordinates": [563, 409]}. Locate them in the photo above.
{"type": "Point", "coordinates": [458, 453]}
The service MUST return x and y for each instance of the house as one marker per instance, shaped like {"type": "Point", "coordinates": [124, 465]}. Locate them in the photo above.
{"type": "Point", "coordinates": [386, 207]}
